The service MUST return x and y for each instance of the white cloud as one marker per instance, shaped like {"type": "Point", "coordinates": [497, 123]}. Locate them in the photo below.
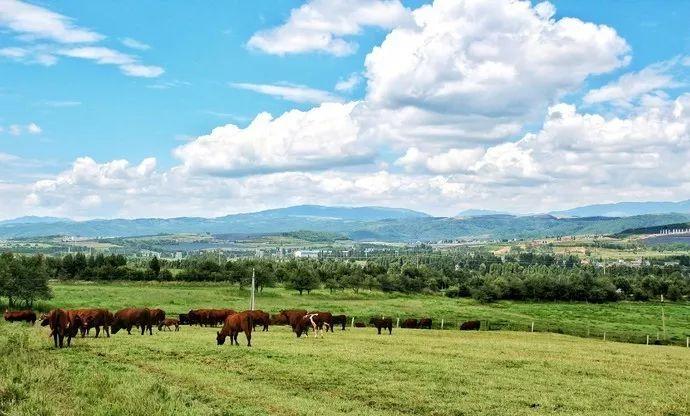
{"type": "Point", "coordinates": [629, 87]}
{"type": "Point", "coordinates": [41, 29]}
{"type": "Point", "coordinates": [321, 138]}
{"type": "Point", "coordinates": [288, 92]}
{"type": "Point", "coordinates": [62, 103]}
{"type": "Point", "coordinates": [33, 128]}
{"type": "Point", "coordinates": [482, 68]}
{"type": "Point", "coordinates": [15, 129]}
{"type": "Point", "coordinates": [34, 22]}
{"type": "Point", "coordinates": [323, 25]}
{"type": "Point", "coordinates": [135, 44]}
{"type": "Point", "coordinates": [105, 56]}
{"type": "Point", "coordinates": [349, 83]}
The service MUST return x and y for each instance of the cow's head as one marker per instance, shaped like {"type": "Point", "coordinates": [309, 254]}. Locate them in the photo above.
{"type": "Point", "coordinates": [116, 326]}
{"type": "Point", "coordinates": [220, 338]}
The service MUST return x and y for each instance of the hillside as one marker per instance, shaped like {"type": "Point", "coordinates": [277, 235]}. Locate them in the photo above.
{"type": "Point", "coordinates": [626, 209]}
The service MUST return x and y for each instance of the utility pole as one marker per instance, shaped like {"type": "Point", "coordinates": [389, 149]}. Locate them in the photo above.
{"type": "Point", "coordinates": [251, 302]}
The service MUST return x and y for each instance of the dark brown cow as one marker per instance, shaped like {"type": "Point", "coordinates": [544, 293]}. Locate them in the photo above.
{"type": "Point", "coordinates": [385, 323]}
{"type": "Point", "coordinates": [425, 323]}
{"type": "Point", "coordinates": [234, 324]}
{"type": "Point", "coordinates": [129, 317]}
{"type": "Point", "coordinates": [260, 317]}
{"type": "Point", "coordinates": [324, 319]}
{"type": "Point", "coordinates": [314, 320]}
{"type": "Point", "coordinates": [183, 318]}
{"type": "Point", "coordinates": [279, 319]}
{"type": "Point", "coordinates": [360, 325]}
{"type": "Point", "coordinates": [470, 326]}
{"type": "Point", "coordinates": [157, 316]}
{"type": "Point", "coordinates": [61, 326]}
{"type": "Point", "coordinates": [339, 320]}
{"type": "Point", "coordinates": [93, 318]}
{"type": "Point", "coordinates": [410, 323]}
{"type": "Point", "coordinates": [22, 316]}
{"type": "Point", "coordinates": [168, 322]}
{"type": "Point", "coordinates": [208, 317]}
{"type": "Point", "coordinates": [293, 316]}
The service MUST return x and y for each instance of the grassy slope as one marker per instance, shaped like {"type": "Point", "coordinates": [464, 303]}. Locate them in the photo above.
{"type": "Point", "coordinates": [354, 372]}
{"type": "Point", "coordinates": [625, 321]}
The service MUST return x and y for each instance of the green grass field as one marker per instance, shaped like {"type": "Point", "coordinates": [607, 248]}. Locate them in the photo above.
{"type": "Point", "coordinates": [622, 321]}
{"type": "Point", "coordinates": [353, 372]}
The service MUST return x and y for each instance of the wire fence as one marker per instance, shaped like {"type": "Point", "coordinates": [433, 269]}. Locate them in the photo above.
{"type": "Point", "coordinates": [584, 331]}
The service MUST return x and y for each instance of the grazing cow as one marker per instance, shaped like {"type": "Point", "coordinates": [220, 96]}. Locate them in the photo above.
{"type": "Point", "coordinates": [425, 323]}
{"type": "Point", "coordinates": [293, 316]}
{"type": "Point", "coordinates": [157, 316]}
{"type": "Point", "coordinates": [315, 320]}
{"type": "Point", "coordinates": [410, 323]}
{"type": "Point", "coordinates": [183, 318]}
{"type": "Point", "coordinates": [324, 319]}
{"type": "Point", "coordinates": [234, 324]}
{"type": "Point", "coordinates": [470, 326]}
{"type": "Point", "coordinates": [385, 323]}
{"type": "Point", "coordinates": [129, 317]}
{"type": "Point", "coordinates": [94, 318]}
{"type": "Point", "coordinates": [62, 325]}
{"type": "Point", "coordinates": [22, 316]}
{"type": "Point", "coordinates": [339, 320]}
{"type": "Point", "coordinates": [260, 317]}
{"type": "Point", "coordinates": [360, 325]}
{"type": "Point", "coordinates": [168, 322]}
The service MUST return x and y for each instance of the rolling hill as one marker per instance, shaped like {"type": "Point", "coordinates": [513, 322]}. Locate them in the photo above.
{"type": "Point", "coordinates": [626, 209]}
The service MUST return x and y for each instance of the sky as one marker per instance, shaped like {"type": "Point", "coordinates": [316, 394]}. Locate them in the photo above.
{"type": "Point", "coordinates": [188, 108]}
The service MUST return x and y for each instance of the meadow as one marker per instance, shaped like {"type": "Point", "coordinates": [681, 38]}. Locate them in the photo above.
{"type": "Point", "coordinates": [352, 372]}
{"type": "Point", "coordinates": [622, 321]}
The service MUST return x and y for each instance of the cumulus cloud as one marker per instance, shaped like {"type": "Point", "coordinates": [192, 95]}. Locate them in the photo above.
{"type": "Point", "coordinates": [41, 30]}
{"type": "Point", "coordinates": [323, 137]}
{"type": "Point", "coordinates": [290, 92]}
{"type": "Point", "coordinates": [349, 83]}
{"type": "Point", "coordinates": [135, 44]}
{"type": "Point", "coordinates": [19, 129]}
{"type": "Point", "coordinates": [323, 25]}
{"type": "Point", "coordinates": [483, 67]}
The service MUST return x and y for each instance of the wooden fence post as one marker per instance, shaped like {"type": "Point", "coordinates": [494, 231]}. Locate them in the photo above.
{"type": "Point", "coordinates": [441, 323]}
{"type": "Point", "coordinates": [647, 339]}
{"type": "Point", "coordinates": [397, 323]}
{"type": "Point", "coordinates": [352, 324]}
{"type": "Point", "coordinates": [604, 335]}
{"type": "Point", "coordinates": [532, 326]}
{"type": "Point", "coordinates": [687, 342]}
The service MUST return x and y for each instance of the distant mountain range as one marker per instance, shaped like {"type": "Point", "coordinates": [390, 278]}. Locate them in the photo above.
{"type": "Point", "coordinates": [358, 223]}
{"type": "Point", "coordinates": [626, 209]}
{"type": "Point", "coordinates": [480, 213]}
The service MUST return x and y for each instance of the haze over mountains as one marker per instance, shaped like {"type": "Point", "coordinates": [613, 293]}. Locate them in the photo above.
{"type": "Point", "coordinates": [359, 223]}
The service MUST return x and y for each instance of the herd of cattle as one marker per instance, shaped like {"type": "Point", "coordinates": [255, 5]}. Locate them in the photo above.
{"type": "Point", "coordinates": [68, 323]}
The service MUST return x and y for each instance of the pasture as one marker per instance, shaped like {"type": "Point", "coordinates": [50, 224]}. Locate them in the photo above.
{"type": "Point", "coordinates": [355, 372]}
{"type": "Point", "coordinates": [622, 321]}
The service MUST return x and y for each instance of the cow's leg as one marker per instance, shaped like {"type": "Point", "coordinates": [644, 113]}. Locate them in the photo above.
{"type": "Point", "coordinates": [107, 330]}
{"type": "Point", "coordinates": [55, 338]}
{"type": "Point", "coordinates": [98, 330]}
{"type": "Point", "coordinates": [150, 329]}
{"type": "Point", "coordinates": [378, 328]}
{"type": "Point", "coordinates": [61, 337]}
{"type": "Point", "coordinates": [249, 338]}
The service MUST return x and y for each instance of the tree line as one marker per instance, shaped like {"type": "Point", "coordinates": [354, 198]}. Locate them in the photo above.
{"type": "Point", "coordinates": [483, 276]}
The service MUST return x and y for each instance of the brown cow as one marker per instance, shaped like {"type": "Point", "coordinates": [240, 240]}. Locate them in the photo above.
{"type": "Point", "coordinates": [168, 322]}
{"type": "Point", "coordinates": [470, 326]}
{"type": "Point", "coordinates": [234, 324]}
{"type": "Point", "coordinates": [260, 317]}
{"type": "Point", "coordinates": [129, 317]}
{"type": "Point", "coordinates": [209, 317]}
{"type": "Point", "coordinates": [339, 320]}
{"type": "Point", "coordinates": [360, 325]}
{"type": "Point", "coordinates": [385, 323]}
{"type": "Point", "coordinates": [157, 316]}
{"type": "Point", "coordinates": [410, 323]}
{"type": "Point", "coordinates": [293, 316]}
{"type": "Point", "coordinates": [279, 319]}
{"type": "Point", "coordinates": [425, 323]}
{"type": "Point", "coordinates": [94, 318]}
{"type": "Point", "coordinates": [315, 320]}
{"type": "Point", "coordinates": [25, 316]}
{"type": "Point", "coordinates": [61, 326]}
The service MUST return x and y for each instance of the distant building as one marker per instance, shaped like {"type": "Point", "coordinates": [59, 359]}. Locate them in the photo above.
{"type": "Point", "coordinates": [306, 254]}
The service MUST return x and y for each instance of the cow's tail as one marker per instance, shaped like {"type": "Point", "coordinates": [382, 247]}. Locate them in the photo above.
{"type": "Point", "coordinates": [250, 321]}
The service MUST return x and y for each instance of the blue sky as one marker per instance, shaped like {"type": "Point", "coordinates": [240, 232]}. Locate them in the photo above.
{"type": "Point", "coordinates": [198, 70]}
